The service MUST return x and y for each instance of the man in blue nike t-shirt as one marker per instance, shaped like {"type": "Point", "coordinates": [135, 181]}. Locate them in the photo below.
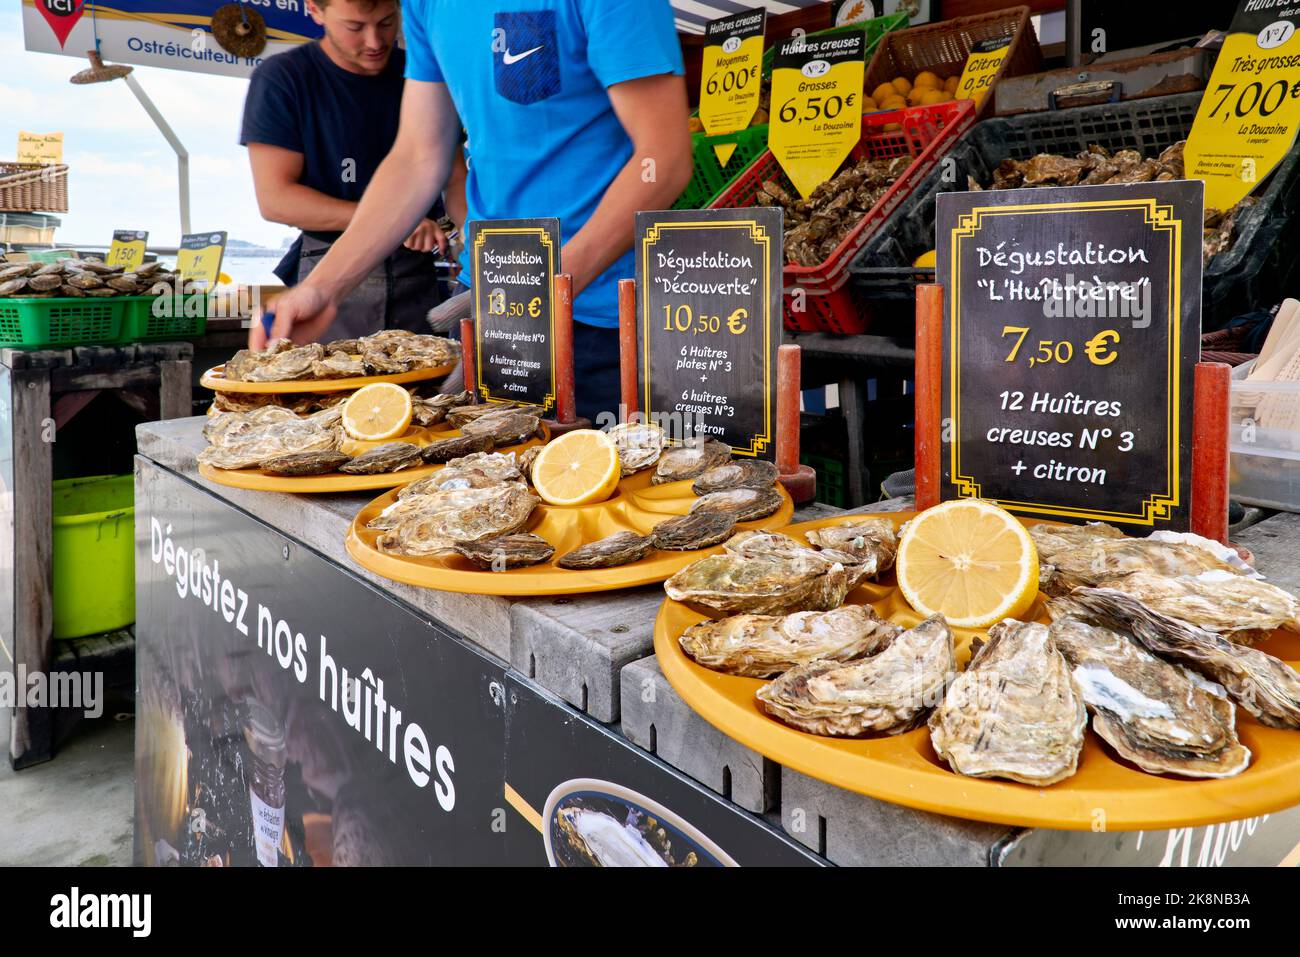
{"type": "Point", "coordinates": [573, 108]}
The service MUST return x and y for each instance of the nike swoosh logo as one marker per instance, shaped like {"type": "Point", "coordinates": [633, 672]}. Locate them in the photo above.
{"type": "Point", "coordinates": [509, 58]}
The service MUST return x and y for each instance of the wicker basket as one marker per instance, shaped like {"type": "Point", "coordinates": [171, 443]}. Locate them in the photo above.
{"type": "Point", "coordinates": [942, 48]}
{"type": "Point", "coordinates": [33, 187]}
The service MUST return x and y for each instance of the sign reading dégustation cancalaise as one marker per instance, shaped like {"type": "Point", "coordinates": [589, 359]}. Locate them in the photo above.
{"type": "Point", "coordinates": [513, 264]}
{"type": "Point", "coordinates": [1072, 328]}
{"type": "Point", "coordinates": [709, 311]}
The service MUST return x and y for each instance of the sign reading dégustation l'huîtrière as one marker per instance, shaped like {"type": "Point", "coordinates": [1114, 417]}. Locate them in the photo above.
{"type": "Point", "coordinates": [709, 310]}
{"type": "Point", "coordinates": [1072, 327]}
{"type": "Point", "coordinates": [513, 264]}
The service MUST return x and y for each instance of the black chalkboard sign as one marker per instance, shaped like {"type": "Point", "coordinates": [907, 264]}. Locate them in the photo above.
{"type": "Point", "coordinates": [513, 264]}
{"type": "Point", "coordinates": [709, 316]}
{"type": "Point", "coordinates": [1072, 327]}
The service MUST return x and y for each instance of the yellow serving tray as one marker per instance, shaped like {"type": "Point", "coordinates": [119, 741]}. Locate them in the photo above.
{"type": "Point", "coordinates": [215, 379]}
{"type": "Point", "coordinates": [1107, 793]}
{"type": "Point", "coordinates": [636, 506]}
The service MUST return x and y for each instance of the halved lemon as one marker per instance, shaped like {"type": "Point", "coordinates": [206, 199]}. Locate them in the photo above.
{"type": "Point", "coordinates": [376, 412]}
{"type": "Point", "coordinates": [578, 468]}
{"type": "Point", "coordinates": [969, 561]}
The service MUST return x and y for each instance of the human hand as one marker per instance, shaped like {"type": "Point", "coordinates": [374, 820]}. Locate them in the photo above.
{"type": "Point", "coordinates": [427, 237]}
{"type": "Point", "coordinates": [301, 314]}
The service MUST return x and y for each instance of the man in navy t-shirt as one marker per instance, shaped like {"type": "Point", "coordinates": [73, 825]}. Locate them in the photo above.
{"type": "Point", "coordinates": [318, 120]}
{"type": "Point", "coordinates": [574, 108]}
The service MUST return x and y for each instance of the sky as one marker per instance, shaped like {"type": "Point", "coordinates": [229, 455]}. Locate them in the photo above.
{"type": "Point", "coordinates": [121, 172]}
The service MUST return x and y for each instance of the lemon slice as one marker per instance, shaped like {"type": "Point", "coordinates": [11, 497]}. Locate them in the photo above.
{"type": "Point", "coordinates": [376, 412]}
{"type": "Point", "coordinates": [578, 468]}
{"type": "Point", "coordinates": [969, 561]}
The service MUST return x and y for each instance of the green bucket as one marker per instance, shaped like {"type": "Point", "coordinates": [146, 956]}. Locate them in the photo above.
{"type": "Point", "coordinates": [94, 554]}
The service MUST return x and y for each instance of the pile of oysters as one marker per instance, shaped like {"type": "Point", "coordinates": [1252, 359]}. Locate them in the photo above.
{"type": "Point", "coordinates": [1152, 637]}
{"type": "Point", "coordinates": [80, 278]}
{"type": "Point", "coordinates": [387, 352]}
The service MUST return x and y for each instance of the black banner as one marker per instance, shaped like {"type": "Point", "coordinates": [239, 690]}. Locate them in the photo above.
{"type": "Point", "coordinates": [1071, 331]}
{"type": "Point", "coordinates": [513, 264]}
{"type": "Point", "coordinates": [709, 283]}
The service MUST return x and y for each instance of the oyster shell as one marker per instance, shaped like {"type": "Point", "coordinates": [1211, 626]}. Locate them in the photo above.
{"type": "Point", "coordinates": [396, 350]}
{"type": "Point", "coordinates": [480, 470]}
{"type": "Point", "coordinates": [764, 646]}
{"type": "Point", "coordinates": [507, 551]}
{"type": "Point", "coordinates": [46, 283]}
{"type": "Point", "coordinates": [889, 693]}
{"type": "Point", "coordinates": [696, 530]}
{"type": "Point", "coordinates": [744, 504]}
{"type": "Point", "coordinates": [275, 364]}
{"type": "Point", "coordinates": [1239, 608]}
{"type": "Point", "coordinates": [621, 548]}
{"type": "Point", "coordinates": [1263, 685]}
{"type": "Point", "coordinates": [526, 459]}
{"type": "Point", "coordinates": [873, 542]}
{"type": "Point", "coordinates": [1051, 539]}
{"type": "Point", "coordinates": [444, 450]}
{"type": "Point", "coordinates": [338, 365]}
{"type": "Point", "coordinates": [389, 457]}
{"type": "Point", "coordinates": [688, 461]}
{"type": "Point", "coordinates": [507, 428]}
{"type": "Point", "coordinates": [1110, 559]}
{"type": "Point", "coordinates": [601, 841]}
{"type": "Point", "coordinates": [1160, 716]}
{"type": "Point", "coordinates": [744, 473]}
{"type": "Point", "coordinates": [305, 463]}
{"type": "Point", "coordinates": [1014, 712]}
{"type": "Point", "coordinates": [504, 510]}
{"type": "Point", "coordinates": [430, 504]}
{"type": "Point", "coordinates": [639, 445]}
{"type": "Point", "coordinates": [458, 415]}
{"type": "Point", "coordinates": [263, 442]}
{"type": "Point", "coordinates": [11, 287]}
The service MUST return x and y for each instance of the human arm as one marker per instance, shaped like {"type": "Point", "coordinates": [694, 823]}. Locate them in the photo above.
{"type": "Point", "coordinates": [453, 194]}
{"type": "Point", "coordinates": [281, 198]}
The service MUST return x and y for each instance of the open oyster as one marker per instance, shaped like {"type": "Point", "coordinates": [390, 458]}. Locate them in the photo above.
{"type": "Point", "coordinates": [743, 473]}
{"type": "Point", "coordinates": [888, 693]}
{"type": "Point", "coordinates": [763, 646]}
{"type": "Point", "coordinates": [696, 530]}
{"type": "Point", "coordinates": [1239, 608]}
{"type": "Point", "coordinates": [389, 457]}
{"type": "Point", "coordinates": [1014, 712]}
{"type": "Point", "coordinates": [1265, 686]}
{"type": "Point", "coordinates": [228, 427]}
{"type": "Point", "coordinates": [745, 504]}
{"type": "Point", "coordinates": [444, 450]}
{"type": "Point", "coordinates": [639, 445]}
{"type": "Point", "coordinates": [396, 350]}
{"type": "Point", "coordinates": [305, 463]}
{"type": "Point", "coordinates": [250, 448]}
{"type": "Point", "coordinates": [281, 362]}
{"type": "Point", "coordinates": [1162, 717]}
{"type": "Point", "coordinates": [599, 840]}
{"type": "Point", "coordinates": [688, 461]}
{"type": "Point", "coordinates": [504, 510]}
{"type": "Point", "coordinates": [871, 541]}
{"type": "Point", "coordinates": [1051, 539]}
{"type": "Point", "coordinates": [1110, 559]}
{"type": "Point", "coordinates": [449, 500]}
{"type": "Point", "coordinates": [507, 551]}
{"type": "Point", "coordinates": [621, 548]}
{"type": "Point", "coordinates": [479, 470]}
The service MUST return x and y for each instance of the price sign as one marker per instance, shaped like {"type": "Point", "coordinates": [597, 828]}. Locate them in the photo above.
{"type": "Point", "coordinates": [730, 80]}
{"type": "Point", "coordinates": [199, 258]}
{"type": "Point", "coordinates": [127, 249]}
{"type": "Point", "coordinates": [44, 148]}
{"type": "Point", "coordinates": [1071, 334]}
{"type": "Point", "coordinates": [709, 311]}
{"type": "Point", "coordinates": [1249, 115]}
{"type": "Point", "coordinates": [817, 106]}
{"type": "Point", "coordinates": [981, 69]}
{"type": "Point", "coordinates": [513, 264]}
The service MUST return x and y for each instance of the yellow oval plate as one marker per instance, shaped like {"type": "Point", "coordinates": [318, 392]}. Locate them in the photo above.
{"type": "Point", "coordinates": [1107, 793]}
{"type": "Point", "coordinates": [636, 506]}
{"type": "Point", "coordinates": [215, 379]}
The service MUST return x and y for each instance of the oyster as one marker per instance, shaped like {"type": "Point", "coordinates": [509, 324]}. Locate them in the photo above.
{"type": "Point", "coordinates": [13, 271]}
{"type": "Point", "coordinates": [11, 287]}
{"type": "Point", "coordinates": [85, 280]}
{"type": "Point", "coordinates": [444, 450]}
{"type": "Point", "coordinates": [350, 347]}
{"type": "Point", "coordinates": [44, 283]}
{"type": "Point", "coordinates": [396, 350]}
{"type": "Point", "coordinates": [280, 363]}
{"type": "Point", "coordinates": [1265, 686]}
{"type": "Point", "coordinates": [1110, 559]}
{"type": "Point", "coordinates": [745, 504]}
{"type": "Point", "coordinates": [507, 551]}
{"type": "Point", "coordinates": [458, 415]}
{"type": "Point", "coordinates": [639, 445]}
{"type": "Point", "coordinates": [745, 473]}
{"type": "Point", "coordinates": [263, 442]}
{"type": "Point", "coordinates": [1239, 608]}
{"type": "Point", "coordinates": [764, 646]}
{"type": "Point", "coordinates": [338, 365]}
{"type": "Point", "coordinates": [305, 463]}
{"type": "Point", "coordinates": [871, 541]}
{"type": "Point", "coordinates": [526, 459]}
{"type": "Point", "coordinates": [599, 840]}
{"type": "Point", "coordinates": [621, 548]}
{"type": "Point", "coordinates": [389, 457]}
{"type": "Point", "coordinates": [688, 461]}
{"type": "Point", "coordinates": [889, 693]}
{"type": "Point", "coordinates": [1051, 539]}
{"type": "Point", "coordinates": [1014, 712]}
{"type": "Point", "coordinates": [1160, 716]}
{"type": "Point", "coordinates": [430, 504]}
{"type": "Point", "coordinates": [507, 428]}
{"type": "Point", "coordinates": [504, 510]}
{"type": "Point", "coordinates": [696, 530]}
{"type": "Point", "coordinates": [480, 470]}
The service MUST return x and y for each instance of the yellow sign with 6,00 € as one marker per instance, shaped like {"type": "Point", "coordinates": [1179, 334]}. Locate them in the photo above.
{"type": "Point", "coordinates": [1248, 117]}
{"type": "Point", "coordinates": [730, 79]}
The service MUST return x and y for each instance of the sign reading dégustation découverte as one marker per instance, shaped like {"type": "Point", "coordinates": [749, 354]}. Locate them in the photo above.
{"type": "Point", "coordinates": [709, 309]}
{"type": "Point", "coordinates": [730, 79]}
{"type": "Point", "coordinates": [513, 265]}
{"type": "Point", "coordinates": [1072, 328]}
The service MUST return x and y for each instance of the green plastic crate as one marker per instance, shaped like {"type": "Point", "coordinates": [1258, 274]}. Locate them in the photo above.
{"type": "Point", "coordinates": [93, 555]}
{"type": "Point", "coordinates": [142, 325]}
{"type": "Point", "coordinates": [42, 323]}
{"type": "Point", "coordinates": [830, 478]}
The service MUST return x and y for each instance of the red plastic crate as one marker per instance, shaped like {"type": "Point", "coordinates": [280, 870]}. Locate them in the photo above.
{"type": "Point", "coordinates": [923, 132]}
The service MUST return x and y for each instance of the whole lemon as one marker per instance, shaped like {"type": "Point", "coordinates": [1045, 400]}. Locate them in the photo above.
{"type": "Point", "coordinates": [927, 79]}
{"type": "Point", "coordinates": [902, 85]}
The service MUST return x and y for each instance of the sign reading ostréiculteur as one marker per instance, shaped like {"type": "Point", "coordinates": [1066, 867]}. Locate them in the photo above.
{"type": "Point", "coordinates": [1072, 328]}
{"type": "Point", "coordinates": [709, 310]}
{"type": "Point", "coordinates": [513, 264]}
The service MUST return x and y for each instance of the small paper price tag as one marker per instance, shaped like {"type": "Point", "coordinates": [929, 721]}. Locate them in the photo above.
{"type": "Point", "coordinates": [730, 79]}
{"type": "Point", "coordinates": [43, 148]}
{"type": "Point", "coordinates": [198, 261]}
{"type": "Point", "coordinates": [127, 249]}
{"type": "Point", "coordinates": [981, 69]}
